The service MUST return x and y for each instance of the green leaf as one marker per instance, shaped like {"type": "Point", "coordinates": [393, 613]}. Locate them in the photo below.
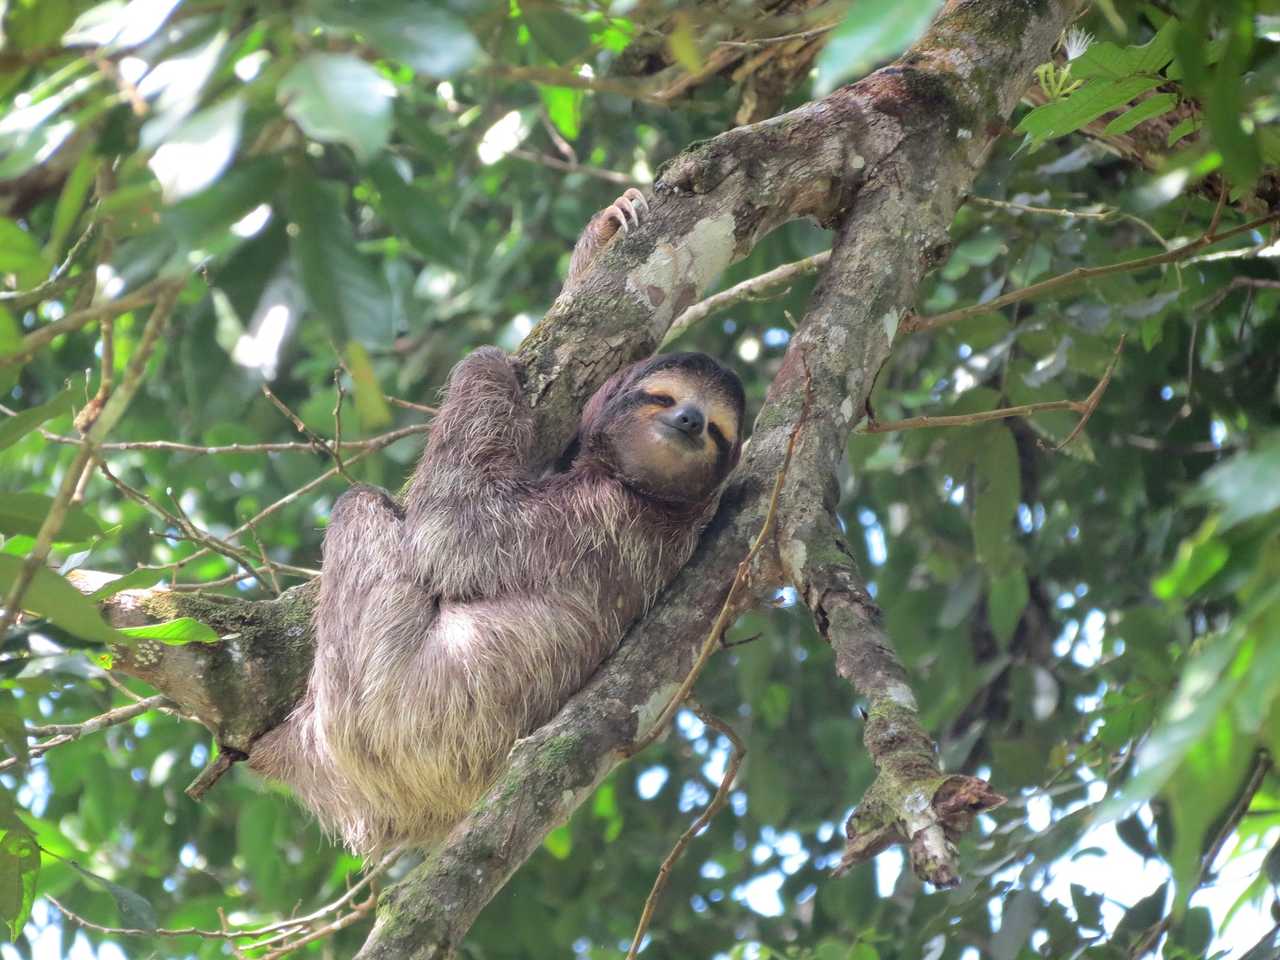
{"type": "Point", "coordinates": [415, 214]}
{"type": "Point", "coordinates": [193, 155]}
{"type": "Point", "coordinates": [1110, 61]}
{"type": "Point", "coordinates": [1006, 599]}
{"type": "Point", "coordinates": [13, 429]}
{"type": "Point", "coordinates": [13, 732]}
{"type": "Point", "coordinates": [23, 513]}
{"type": "Point", "coordinates": [174, 633]}
{"type": "Point", "coordinates": [1199, 557]}
{"type": "Point", "coordinates": [136, 580]}
{"type": "Point", "coordinates": [559, 842]}
{"type": "Point", "coordinates": [58, 601]}
{"type": "Point", "coordinates": [999, 486]}
{"type": "Point", "coordinates": [338, 98]}
{"type": "Point", "coordinates": [341, 286]}
{"type": "Point", "coordinates": [564, 107]}
{"type": "Point", "coordinates": [1184, 128]}
{"type": "Point", "coordinates": [872, 32]}
{"type": "Point", "coordinates": [561, 36]}
{"type": "Point", "coordinates": [1091, 101]}
{"type": "Point", "coordinates": [20, 254]}
{"type": "Point", "coordinates": [135, 910]}
{"type": "Point", "coordinates": [1156, 105]}
{"type": "Point", "coordinates": [371, 405]}
{"type": "Point", "coordinates": [428, 38]}
{"type": "Point", "coordinates": [19, 867]}
{"type": "Point", "coordinates": [1244, 486]}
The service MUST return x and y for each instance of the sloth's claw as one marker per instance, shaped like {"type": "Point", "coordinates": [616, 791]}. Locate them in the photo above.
{"type": "Point", "coordinates": [628, 209]}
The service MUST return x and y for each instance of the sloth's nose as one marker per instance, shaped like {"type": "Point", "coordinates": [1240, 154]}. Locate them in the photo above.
{"type": "Point", "coordinates": [688, 419]}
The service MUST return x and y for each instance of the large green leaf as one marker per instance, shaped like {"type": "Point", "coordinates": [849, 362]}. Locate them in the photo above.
{"type": "Point", "coordinates": [23, 513]}
{"type": "Point", "coordinates": [872, 31]}
{"type": "Point", "coordinates": [341, 286]}
{"type": "Point", "coordinates": [431, 39]}
{"type": "Point", "coordinates": [19, 867]}
{"type": "Point", "coordinates": [58, 601]}
{"type": "Point", "coordinates": [338, 98]}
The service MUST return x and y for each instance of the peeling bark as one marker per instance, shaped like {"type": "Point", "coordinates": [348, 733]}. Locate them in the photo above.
{"type": "Point", "coordinates": [885, 162]}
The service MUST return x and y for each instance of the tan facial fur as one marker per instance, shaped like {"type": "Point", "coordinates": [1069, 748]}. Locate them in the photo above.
{"type": "Point", "coordinates": [661, 460]}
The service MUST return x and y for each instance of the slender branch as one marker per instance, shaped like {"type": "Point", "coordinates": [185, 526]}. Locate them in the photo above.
{"type": "Point", "coordinates": [60, 733]}
{"type": "Point", "coordinates": [555, 163]}
{"type": "Point", "coordinates": [111, 411]}
{"type": "Point", "coordinates": [715, 806]}
{"type": "Point", "coordinates": [32, 342]}
{"type": "Point", "coordinates": [917, 324]}
{"type": "Point", "coordinates": [293, 446]}
{"type": "Point", "coordinates": [972, 419]}
{"type": "Point", "coordinates": [748, 289]}
{"type": "Point", "coordinates": [1095, 396]}
{"type": "Point", "coordinates": [59, 280]}
{"type": "Point", "coordinates": [318, 443]}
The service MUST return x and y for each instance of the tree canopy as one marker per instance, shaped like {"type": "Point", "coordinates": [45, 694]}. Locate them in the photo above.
{"type": "Point", "coordinates": [242, 245]}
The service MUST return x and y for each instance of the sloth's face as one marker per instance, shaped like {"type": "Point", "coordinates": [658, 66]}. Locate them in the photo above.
{"type": "Point", "coordinates": [673, 434]}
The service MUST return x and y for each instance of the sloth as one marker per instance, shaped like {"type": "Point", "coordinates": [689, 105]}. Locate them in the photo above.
{"type": "Point", "coordinates": [460, 617]}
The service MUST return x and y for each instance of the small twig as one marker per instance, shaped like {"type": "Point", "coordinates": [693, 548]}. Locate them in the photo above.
{"type": "Point", "coordinates": [321, 445]}
{"type": "Point", "coordinates": [747, 289]}
{"type": "Point", "coordinates": [336, 446]}
{"type": "Point", "coordinates": [375, 443]}
{"type": "Point", "coordinates": [152, 292]}
{"type": "Point", "coordinates": [288, 927]}
{"type": "Point", "coordinates": [1249, 283]}
{"type": "Point", "coordinates": [555, 163]}
{"type": "Point", "coordinates": [918, 324]}
{"type": "Point", "coordinates": [1095, 396]}
{"type": "Point", "coordinates": [58, 281]}
{"type": "Point", "coordinates": [1104, 214]}
{"type": "Point", "coordinates": [765, 41]}
{"type": "Point", "coordinates": [715, 806]}
{"type": "Point", "coordinates": [61, 733]}
{"type": "Point", "coordinates": [972, 419]}
{"type": "Point", "coordinates": [410, 405]}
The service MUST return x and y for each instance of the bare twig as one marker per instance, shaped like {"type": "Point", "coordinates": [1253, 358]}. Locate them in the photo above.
{"type": "Point", "coordinates": [60, 733]}
{"type": "Point", "coordinates": [1095, 396]}
{"type": "Point", "coordinates": [555, 163]}
{"type": "Point", "coordinates": [318, 443]}
{"type": "Point", "coordinates": [917, 324]}
{"type": "Point", "coordinates": [715, 806]}
{"type": "Point", "coordinates": [748, 289]}
{"type": "Point", "coordinates": [58, 281]}
{"type": "Point", "coordinates": [1251, 283]}
{"type": "Point", "coordinates": [972, 419]}
{"type": "Point", "coordinates": [150, 293]}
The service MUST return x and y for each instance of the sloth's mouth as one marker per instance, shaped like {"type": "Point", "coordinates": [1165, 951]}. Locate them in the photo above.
{"type": "Point", "coordinates": [668, 432]}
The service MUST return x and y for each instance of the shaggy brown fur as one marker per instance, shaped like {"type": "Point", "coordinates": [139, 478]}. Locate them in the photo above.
{"type": "Point", "coordinates": [461, 618]}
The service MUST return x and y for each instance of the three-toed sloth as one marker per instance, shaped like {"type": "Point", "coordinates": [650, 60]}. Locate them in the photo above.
{"type": "Point", "coordinates": [460, 617]}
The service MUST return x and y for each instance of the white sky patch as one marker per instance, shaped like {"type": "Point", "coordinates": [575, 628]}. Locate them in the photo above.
{"type": "Point", "coordinates": [650, 782]}
{"type": "Point", "coordinates": [749, 349]}
{"type": "Point", "coordinates": [503, 137]}
{"type": "Point", "coordinates": [109, 282]}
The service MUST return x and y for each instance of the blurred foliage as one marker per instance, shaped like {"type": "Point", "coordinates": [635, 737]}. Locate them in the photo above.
{"type": "Point", "coordinates": [375, 187]}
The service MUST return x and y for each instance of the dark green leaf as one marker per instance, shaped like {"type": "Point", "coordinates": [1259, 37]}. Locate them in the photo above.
{"type": "Point", "coordinates": [560, 35]}
{"type": "Point", "coordinates": [19, 867]}
{"type": "Point", "coordinates": [16, 427]}
{"type": "Point", "coordinates": [23, 513]}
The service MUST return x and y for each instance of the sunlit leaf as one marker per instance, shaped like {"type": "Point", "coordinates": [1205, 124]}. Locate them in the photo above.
{"type": "Point", "coordinates": [14, 428]}
{"type": "Point", "coordinates": [25, 512]}
{"type": "Point", "coordinates": [173, 633]}
{"type": "Point", "coordinates": [54, 598]}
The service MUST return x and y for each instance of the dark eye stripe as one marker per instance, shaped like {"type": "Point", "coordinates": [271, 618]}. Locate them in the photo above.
{"type": "Point", "coordinates": [718, 436]}
{"type": "Point", "coordinates": [661, 399]}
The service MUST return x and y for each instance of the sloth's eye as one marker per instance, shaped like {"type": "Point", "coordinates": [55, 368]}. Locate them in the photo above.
{"type": "Point", "coordinates": [717, 435]}
{"type": "Point", "coordinates": [661, 399]}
